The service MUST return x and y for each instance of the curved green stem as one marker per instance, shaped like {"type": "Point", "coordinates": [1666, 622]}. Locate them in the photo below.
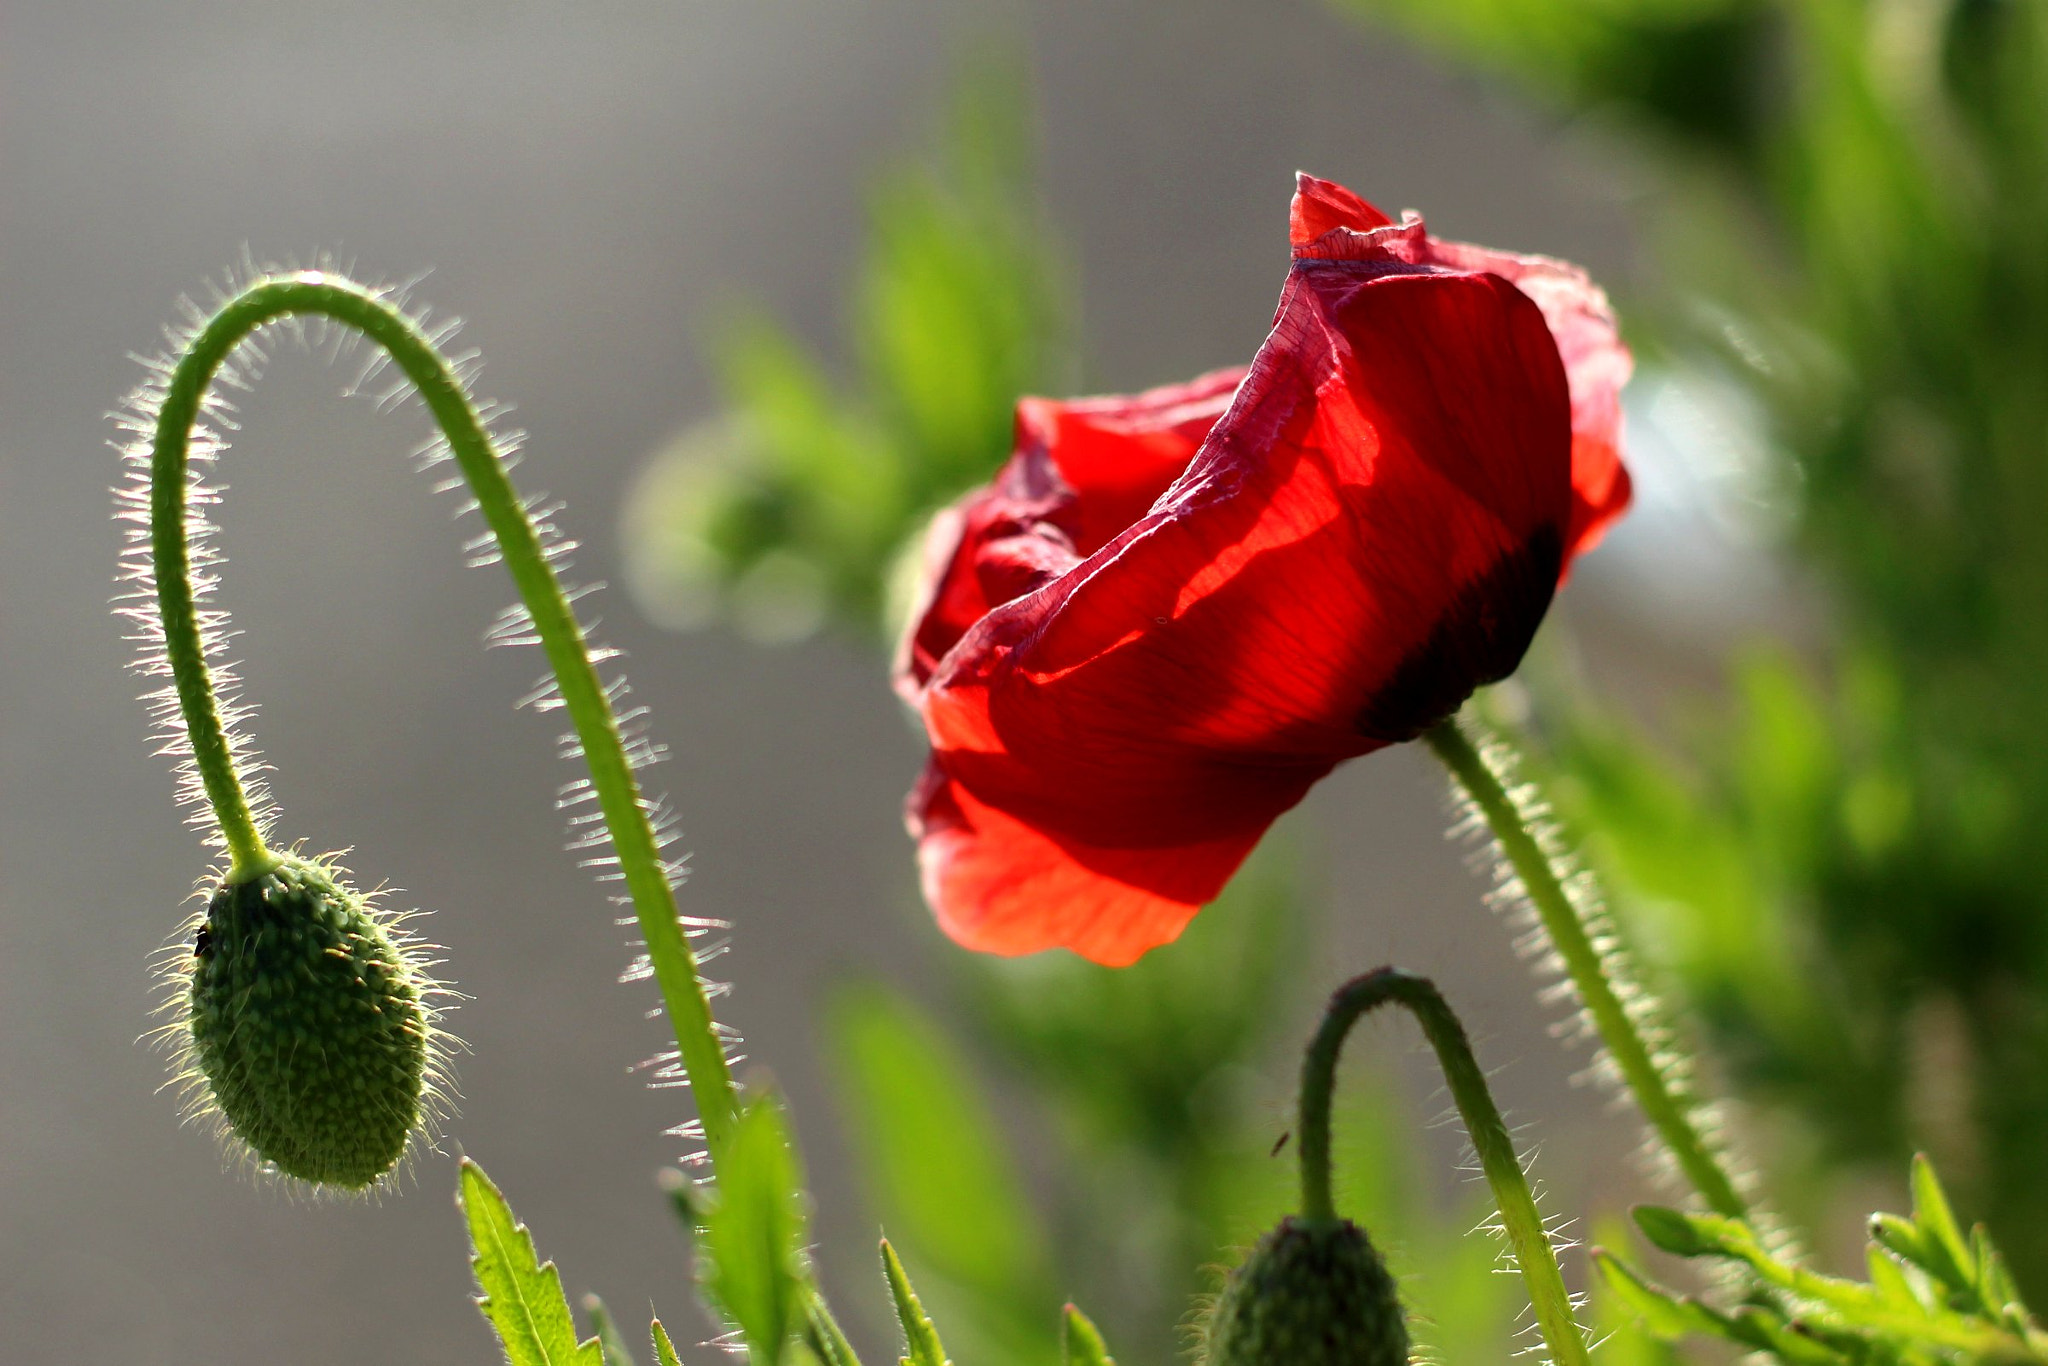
{"type": "Point", "coordinates": [561, 636]}
{"type": "Point", "coordinates": [1489, 1133]}
{"type": "Point", "coordinates": [184, 646]}
{"type": "Point", "coordinates": [1598, 970]}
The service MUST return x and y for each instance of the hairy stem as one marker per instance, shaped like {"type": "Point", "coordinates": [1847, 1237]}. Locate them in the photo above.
{"type": "Point", "coordinates": [1489, 1133]}
{"type": "Point", "coordinates": [184, 646]}
{"type": "Point", "coordinates": [561, 636]}
{"type": "Point", "coordinates": [1598, 970]}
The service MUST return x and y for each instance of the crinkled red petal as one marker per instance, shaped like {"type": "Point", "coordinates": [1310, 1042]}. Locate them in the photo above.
{"type": "Point", "coordinates": [1595, 362]}
{"type": "Point", "coordinates": [1322, 206]}
{"type": "Point", "coordinates": [1330, 221]}
{"type": "Point", "coordinates": [1001, 885]}
{"type": "Point", "coordinates": [1373, 529]}
{"type": "Point", "coordinates": [1082, 472]}
{"type": "Point", "coordinates": [1117, 455]}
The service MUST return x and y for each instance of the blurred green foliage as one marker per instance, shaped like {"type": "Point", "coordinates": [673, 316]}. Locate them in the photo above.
{"type": "Point", "coordinates": [789, 511]}
{"type": "Point", "coordinates": [1835, 872]}
{"type": "Point", "coordinates": [1153, 1095]}
{"type": "Point", "coordinates": [1844, 871]}
{"type": "Point", "coordinates": [1156, 1095]}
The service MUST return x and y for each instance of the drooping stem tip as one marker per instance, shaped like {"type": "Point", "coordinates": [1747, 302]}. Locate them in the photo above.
{"type": "Point", "coordinates": [1489, 1134]}
{"type": "Point", "coordinates": [318, 294]}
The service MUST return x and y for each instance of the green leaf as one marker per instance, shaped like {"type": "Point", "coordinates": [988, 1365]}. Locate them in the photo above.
{"type": "Point", "coordinates": [920, 1338]}
{"type": "Point", "coordinates": [933, 1153]}
{"type": "Point", "coordinates": [664, 1350]}
{"type": "Point", "coordinates": [685, 1199]}
{"type": "Point", "coordinates": [616, 1353]}
{"type": "Point", "coordinates": [822, 1334]}
{"type": "Point", "coordinates": [522, 1296]}
{"type": "Point", "coordinates": [1948, 1253]}
{"type": "Point", "coordinates": [1635, 1321]}
{"type": "Point", "coordinates": [1900, 1237]}
{"type": "Point", "coordinates": [1661, 1312]}
{"type": "Point", "coordinates": [1675, 1231]}
{"type": "Point", "coordinates": [1889, 1280]}
{"type": "Point", "coordinates": [1080, 1341]}
{"type": "Point", "coordinates": [753, 1234]}
{"type": "Point", "coordinates": [1769, 1332]}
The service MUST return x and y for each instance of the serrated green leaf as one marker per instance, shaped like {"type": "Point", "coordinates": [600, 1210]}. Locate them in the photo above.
{"type": "Point", "coordinates": [753, 1233]}
{"type": "Point", "coordinates": [1839, 1319]}
{"type": "Point", "coordinates": [920, 1337]}
{"type": "Point", "coordinates": [1947, 1251]}
{"type": "Point", "coordinates": [521, 1295]}
{"type": "Point", "coordinates": [1773, 1334]}
{"type": "Point", "coordinates": [1890, 1280]}
{"type": "Point", "coordinates": [684, 1198]}
{"type": "Point", "coordinates": [1663, 1313]}
{"type": "Point", "coordinates": [616, 1353]}
{"type": "Point", "coordinates": [664, 1350]}
{"type": "Point", "coordinates": [1901, 1238]}
{"type": "Point", "coordinates": [822, 1334]}
{"type": "Point", "coordinates": [1081, 1342]}
{"type": "Point", "coordinates": [1995, 1287]}
{"type": "Point", "coordinates": [1675, 1231]}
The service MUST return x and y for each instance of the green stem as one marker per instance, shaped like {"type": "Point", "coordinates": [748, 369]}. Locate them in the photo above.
{"type": "Point", "coordinates": [1598, 970]}
{"type": "Point", "coordinates": [184, 646]}
{"type": "Point", "coordinates": [1489, 1133]}
{"type": "Point", "coordinates": [561, 636]}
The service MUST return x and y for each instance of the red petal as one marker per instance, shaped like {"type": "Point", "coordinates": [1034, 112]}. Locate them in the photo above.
{"type": "Point", "coordinates": [1322, 206]}
{"type": "Point", "coordinates": [1372, 530]}
{"type": "Point", "coordinates": [1083, 471]}
{"type": "Point", "coordinates": [1119, 454]}
{"type": "Point", "coordinates": [1595, 362]}
{"type": "Point", "coordinates": [1000, 885]}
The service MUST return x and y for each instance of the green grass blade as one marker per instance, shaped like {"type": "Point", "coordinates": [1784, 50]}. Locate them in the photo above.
{"type": "Point", "coordinates": [920, 1337]}
{"type": "Point", "coordinates": [823, 1336]}
{"type": "Point", "coordinates": [664, 1350]}
{"type": "Point", "coordinates": [609, 1339]}
{"type": "Point", "coordinates": [1081, 1342]}
{"type": "Point", "coordinates": [932, 1149]}
{"type": "Point", "coordinates": [1950, 1256]}
{"type": "Point", "coordinates": [753, 1234]}
{"type": "Point", "coordinates": [522, 1295]}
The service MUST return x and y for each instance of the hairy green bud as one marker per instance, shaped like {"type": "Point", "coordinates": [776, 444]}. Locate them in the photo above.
{"type": "Point", "coordinates": [310, 1026]}
{"type": "Point", "coordinates": [1312, 1293]}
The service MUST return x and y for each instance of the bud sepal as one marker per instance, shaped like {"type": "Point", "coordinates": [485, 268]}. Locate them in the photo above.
{"type": "Point", "coordinates": [307, 1020]}
{"type": "Point", "coordinates": [1314, 1292]}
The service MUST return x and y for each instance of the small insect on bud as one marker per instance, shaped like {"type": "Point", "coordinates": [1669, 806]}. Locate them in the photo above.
{"type": "Point", "coordinates": [309, 1024]}
{"type": "Point", "coordinates": [1312, 1293]}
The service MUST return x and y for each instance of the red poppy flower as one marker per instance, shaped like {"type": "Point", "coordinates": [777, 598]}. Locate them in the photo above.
{"type": "Point", "coordinates": [1172, 613]}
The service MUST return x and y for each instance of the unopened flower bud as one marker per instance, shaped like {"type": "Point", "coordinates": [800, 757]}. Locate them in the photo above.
{"type": "Point", "coordinates": [308, 1024]}
{"type": "Point", "coordinates": [1312, 1293]}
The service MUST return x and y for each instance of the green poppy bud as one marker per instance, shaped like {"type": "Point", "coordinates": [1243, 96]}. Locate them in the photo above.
{"type": "Point", "coordinates": [1312, 1293]}
{"type": "Point", "coordinates": [310, 1025]}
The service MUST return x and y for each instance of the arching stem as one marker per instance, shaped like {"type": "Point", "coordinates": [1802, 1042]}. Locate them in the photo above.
{"type": "Point", "coordinates": [561, 637]}
{"type": "Point", "coordinates": [1597, 967]}
{"type": "Point", "coordinates": [1489, 1133]}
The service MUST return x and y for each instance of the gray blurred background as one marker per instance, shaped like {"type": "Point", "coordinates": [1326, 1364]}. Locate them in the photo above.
{"type": "Point", "coordinates": [595, 186]}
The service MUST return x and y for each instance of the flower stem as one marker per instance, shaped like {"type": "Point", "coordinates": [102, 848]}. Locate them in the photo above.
{"type": "Point", "coordinates": [561, 636]}
{"type": "Point", "coordinates": [1489, 1133]}
{"type": "Point", "coordinates": [184, 646]}
{"type": "Point", "coordinates": [1595, 962]}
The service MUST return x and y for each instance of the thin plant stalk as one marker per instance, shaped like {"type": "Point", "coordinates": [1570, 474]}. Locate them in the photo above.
{"type": "Point", "coordinates": [1489, 1133]}
{"type": "Point", "coordinates": [313, 293]}
{"type": "Point", "coordinates": [1597, 966]}
{"type": "Point", "coordinates": [561, 637]}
